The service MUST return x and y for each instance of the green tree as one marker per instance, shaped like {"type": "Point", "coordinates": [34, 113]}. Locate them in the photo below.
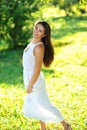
{"type": "Point", "coordinates": [16, 20]}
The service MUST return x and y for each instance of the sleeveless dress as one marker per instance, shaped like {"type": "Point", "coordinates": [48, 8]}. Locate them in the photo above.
{"type": "Point", "coordinates": [37, 104]}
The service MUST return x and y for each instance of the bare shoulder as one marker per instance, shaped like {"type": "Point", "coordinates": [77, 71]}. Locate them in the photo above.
{"type": "Point", "coordinates": [39, 49]}
{"type": "Point", "coordinates": [40, 45]}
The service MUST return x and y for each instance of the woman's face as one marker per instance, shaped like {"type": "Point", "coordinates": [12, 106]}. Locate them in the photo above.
{"type": "Point", "coordinates": [39, 31]}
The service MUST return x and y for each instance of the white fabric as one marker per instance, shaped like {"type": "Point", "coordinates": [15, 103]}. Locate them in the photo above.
{"type": "Point", "coordinates": [37, 104]}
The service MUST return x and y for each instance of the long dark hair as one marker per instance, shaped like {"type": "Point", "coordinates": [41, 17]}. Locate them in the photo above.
{"type": "Point", "coordinates": [49, 50]}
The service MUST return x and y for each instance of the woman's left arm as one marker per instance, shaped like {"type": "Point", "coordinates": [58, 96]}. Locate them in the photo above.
{"type": "Point", "coordinates": [39, 54]}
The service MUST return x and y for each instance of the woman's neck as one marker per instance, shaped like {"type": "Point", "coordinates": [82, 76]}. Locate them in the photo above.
{"type": "Point", "coordinates": [36, 40]}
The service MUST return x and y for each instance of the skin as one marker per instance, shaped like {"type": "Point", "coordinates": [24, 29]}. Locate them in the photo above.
{"type": "Point", "coordinates": [38, 34]}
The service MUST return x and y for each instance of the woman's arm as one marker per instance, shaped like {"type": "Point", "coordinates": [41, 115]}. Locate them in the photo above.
{"type": "Point", "coordinates": [39, 54]}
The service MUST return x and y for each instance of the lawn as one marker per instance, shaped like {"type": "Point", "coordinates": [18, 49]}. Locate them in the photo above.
{"type": "Point", "coordinates": [66, 78]}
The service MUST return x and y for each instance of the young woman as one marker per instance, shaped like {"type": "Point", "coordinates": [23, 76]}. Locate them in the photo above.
{"type": "Point", "coordinates": [37, 104]}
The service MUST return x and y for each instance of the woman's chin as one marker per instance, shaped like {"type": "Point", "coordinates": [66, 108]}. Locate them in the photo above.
{"type": "Point", "coordinates": [36, 37]}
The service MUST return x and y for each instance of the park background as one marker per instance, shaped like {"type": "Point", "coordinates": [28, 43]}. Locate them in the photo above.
{"type": "Point", "coordinates": [67, 76]}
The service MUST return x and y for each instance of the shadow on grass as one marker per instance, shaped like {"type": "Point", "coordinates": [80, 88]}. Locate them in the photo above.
{"type": "Point", "coordinates": [11, 67]}
{"type": "Point", "coordinates": [11, 71]}
{"type": "Point", "coordinates": [66, 26]}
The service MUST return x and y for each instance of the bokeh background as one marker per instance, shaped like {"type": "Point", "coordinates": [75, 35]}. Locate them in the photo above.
{"type": "Point", "coordinates": [67, 76]}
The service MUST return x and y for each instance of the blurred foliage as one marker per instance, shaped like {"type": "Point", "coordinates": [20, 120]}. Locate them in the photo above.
{"type": "Point", "coordinates": [67, 74]}
{"type": "Point", "coordinates": [16, 20]}
{"type": "Point", "coordinates": [18, 17]}
{"type": "Point", "coordinates": [70, 6]}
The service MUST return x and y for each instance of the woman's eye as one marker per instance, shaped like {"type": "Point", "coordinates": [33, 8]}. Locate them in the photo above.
{"type": "Point", "coordinates": [36, 28]}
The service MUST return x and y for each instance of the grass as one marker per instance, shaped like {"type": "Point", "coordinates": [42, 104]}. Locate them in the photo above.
{"type": "Point", "coordinates": [66, 87]}
{"type": "Point", "coordinates": [67, 30]}
{"type": "Point", "coordinates": [66, 78]}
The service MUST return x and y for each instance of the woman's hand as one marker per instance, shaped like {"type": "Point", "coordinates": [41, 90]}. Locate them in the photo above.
{"type": "Point", "coordinates": [29, 89]}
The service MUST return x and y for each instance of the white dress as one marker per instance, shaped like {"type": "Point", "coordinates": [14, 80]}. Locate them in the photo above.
{"type": "Point", "coordinates": [37, 104]}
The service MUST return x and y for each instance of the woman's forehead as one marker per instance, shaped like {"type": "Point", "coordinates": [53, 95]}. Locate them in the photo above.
{"type": "Point", "coordinates": [40, 26]}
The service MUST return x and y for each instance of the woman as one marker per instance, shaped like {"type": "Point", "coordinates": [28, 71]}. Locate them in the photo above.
{"type": "Point", "coordinates": [37, 104]}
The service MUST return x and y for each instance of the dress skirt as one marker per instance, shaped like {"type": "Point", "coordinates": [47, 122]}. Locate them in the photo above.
{"type": "Point", "coordinates": [37, 104]}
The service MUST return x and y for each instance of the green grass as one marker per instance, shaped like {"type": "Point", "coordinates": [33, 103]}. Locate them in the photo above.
{"type": "Point", "coordinates": [67, 30]}
{"type": "Point", "coordinates": [66, 78]}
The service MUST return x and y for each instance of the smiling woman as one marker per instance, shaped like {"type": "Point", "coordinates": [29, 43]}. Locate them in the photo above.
{"type": "Point", "coordinates": [38, 31]}
{"type": "Point", "coordinates": [37, 104]}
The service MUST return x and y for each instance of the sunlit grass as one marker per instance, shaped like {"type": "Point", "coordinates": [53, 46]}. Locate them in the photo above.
{"type": "Point", "coordinates": [66, 87]}
{"type": "Point", "coordinates": [66, 78]}
{"type": "Point", "coordinates": [69, 30]}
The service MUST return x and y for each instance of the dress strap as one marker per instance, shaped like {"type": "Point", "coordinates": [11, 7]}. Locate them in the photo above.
{"type": "Point", "coordinates": [37, 43]}
{"type": "Point", "coordinates": [40, 43]}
